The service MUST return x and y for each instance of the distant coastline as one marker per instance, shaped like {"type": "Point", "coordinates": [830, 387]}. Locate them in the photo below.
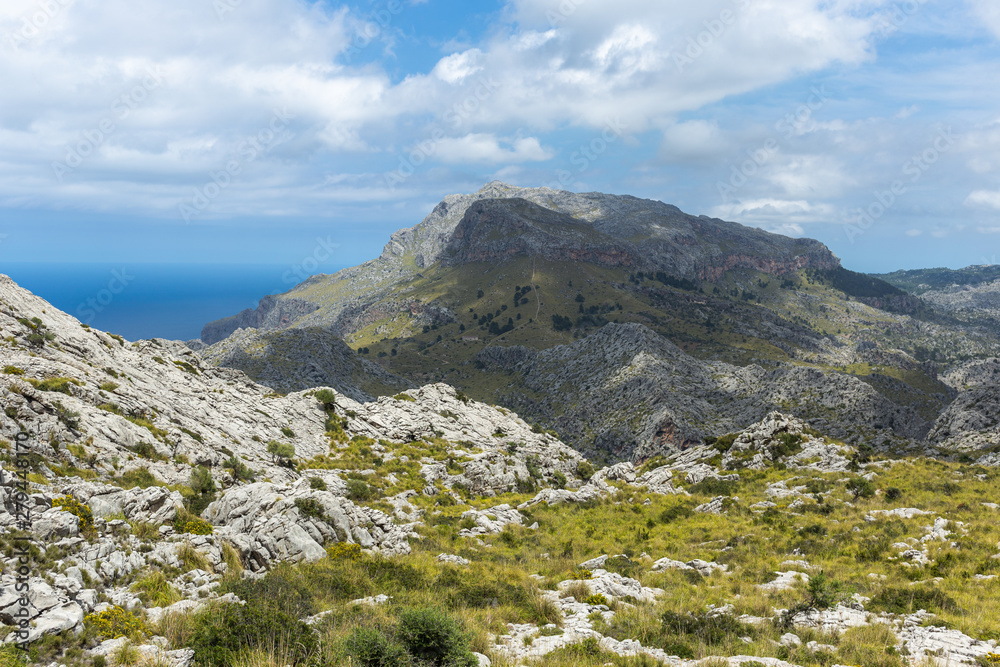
{"type": "Point", "coordinates": [142, 300]}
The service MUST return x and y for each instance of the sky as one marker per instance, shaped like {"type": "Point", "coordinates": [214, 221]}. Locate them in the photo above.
{"type": "Point", "coordinates": [303, 133]}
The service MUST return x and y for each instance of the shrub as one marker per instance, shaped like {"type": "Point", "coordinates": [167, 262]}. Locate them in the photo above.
{"type": "Point", "coordinates": [823, 591]}
{"type": "Point", "coordinates": [13, 370]}
{"type": "Point", "coordinates": [76, 508]}
{"type": "Point", "coordinates": [140, 477]}
{"type": "Point", "coordinates": [559, 480]}
{"type": "Point", "coordinates": [370, 647]}
{"type": "Point", "coordinates": [892, 493]}
{"type": "Point", "coordinates": [786, 444]}
{"type": "Point", "coordinates": [311, 507]}
{"type": "Point", "coordinates": [198, 526]}
{"type": "Point", "coordinates": [859, 487]}
{"type": "Point", "coordinates": [116, 622]}
{"type": "Point", "coordinates": [713, 631]}
{"type": "Point", "coordinates": [222, 631]}
{"type": "Point", "coordinates": [434, 638]}
{"type": "Point", "coordinates": [680, 511]}
{"type": "Point", "coordinates": [239, 469]}
{"type": "Point", "coordinates": [344, 551]}
{"type": "Point", "coordinates": [109, 386]}
{"type": "Point", "coordinates": [585, 470]}
{"type": "Point", "coordinates": [280, 452]}
{"type": "Point", "coordinates": [405, 397]}
{"type": "Point", "coordinates": [328, 398]}
{"type": "Point", "coordinates": [317, 483]}
{"type": "Point", "coordinates": [597, 599]}
{"type": "Point", "coordinates": [358, 490]}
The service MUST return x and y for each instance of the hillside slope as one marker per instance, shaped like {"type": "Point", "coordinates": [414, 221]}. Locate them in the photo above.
{"type": "Point", "coordinates": [156, 511]}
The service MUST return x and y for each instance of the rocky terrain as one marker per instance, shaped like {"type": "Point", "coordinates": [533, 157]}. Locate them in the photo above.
{"type": "Point", "coordinates": [159, 511]}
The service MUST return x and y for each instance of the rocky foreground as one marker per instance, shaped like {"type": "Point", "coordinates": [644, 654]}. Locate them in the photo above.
{"type": "Point", "coordinates": [165, 495]}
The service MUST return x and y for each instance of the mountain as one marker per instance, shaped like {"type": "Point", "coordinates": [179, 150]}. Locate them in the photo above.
{"type": "Point", "coordinates": [969, 296]}
{"type": "Point", "coordinates": [491, 286]}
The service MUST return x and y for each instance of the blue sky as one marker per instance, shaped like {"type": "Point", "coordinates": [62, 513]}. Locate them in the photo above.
{"type": "Point", "coordinates": [244, 131]}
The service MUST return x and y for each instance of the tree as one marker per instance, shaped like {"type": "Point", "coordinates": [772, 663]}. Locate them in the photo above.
{"type": "Point", "coordinates": [859, 487]}
{"type": "Point", "coordinates": [281, 452]}
{"type": "Point", "coordinates": [328, 398]}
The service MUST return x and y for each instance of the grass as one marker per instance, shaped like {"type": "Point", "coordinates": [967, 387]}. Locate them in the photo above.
{"type": "Point", "coordinates": [155, 590]}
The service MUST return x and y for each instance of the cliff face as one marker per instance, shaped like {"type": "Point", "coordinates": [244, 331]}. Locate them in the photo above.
{"type": "Point", "coordinates": [271, 313]}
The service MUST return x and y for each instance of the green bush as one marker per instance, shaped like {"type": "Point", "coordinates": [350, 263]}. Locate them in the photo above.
{"type": "Point", "coordinates": [433, 638]}
{"type": "Point", "coordinates": [311, 507]}
{"type": "Point", "coordinates": [359, 491]}
{"type": "Point", "coordinates": [269, 620]}
{"type": "Point", "coordinates": [823, 591]}
{"type": "Point", "coordinates": [239, 469]}
{"type": "Point", "coordinates": [280, 452]}
{"type": "Point", "coordinates": [328, 398]}
{"type": "Point", "coordinates": [317, 483]}
{"type": "Point", "coordinates": [585, 470]}
{"type": "Point", "coordinates": [370, 647]}
{"type": "Point", "coordinates": [859, 487]}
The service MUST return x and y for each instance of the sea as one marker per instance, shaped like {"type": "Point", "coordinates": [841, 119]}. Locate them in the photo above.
{"type": "Point", "coordinates": [137, 301]}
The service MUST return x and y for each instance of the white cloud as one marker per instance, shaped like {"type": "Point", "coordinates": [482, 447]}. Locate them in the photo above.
{"type": "Point", "coordinates": [773, 214]}
{"type": "Point", "coordinates": [809, 176]}
{"type": "Point", "coordinates": [486, 148]}
{"type": "Point", "coordinates": [914, 232]}
{"type": "Point", "coordinates": [988, 11]}
{"type": "Point", "coordinates": [692, 139]}
{"type": "Point", "coordinates": [984, 199]}
{"type": "Point", "coordinates": [458, 66]}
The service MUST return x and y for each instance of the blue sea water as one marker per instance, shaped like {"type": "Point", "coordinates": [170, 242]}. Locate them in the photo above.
{"type": "Point", "coordinates": [137, 301]}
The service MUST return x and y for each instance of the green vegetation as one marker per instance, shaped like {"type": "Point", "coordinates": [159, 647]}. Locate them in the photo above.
{"type": "Point", "coordinates": [57, 384]}
{"type": "Point", "coordinates": [281, 452]}
{"type": "Point", "coordinates": [78, 509]}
